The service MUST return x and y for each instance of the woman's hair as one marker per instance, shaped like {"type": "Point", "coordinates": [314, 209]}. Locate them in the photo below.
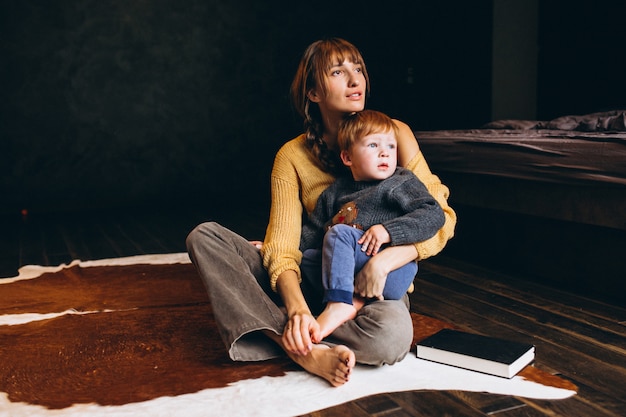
{"type": "Point", "coordinates": [317, 59]}
{"type": "Point", "coordinates": [363, 123]}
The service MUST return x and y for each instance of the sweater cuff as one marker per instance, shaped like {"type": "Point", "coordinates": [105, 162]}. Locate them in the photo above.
{"type": "Point", "coordinates": [274, 276]}
{"type": "Point", "coordinates": [396, 233]}
{"type": "Point", "coordinates": [435, 244]}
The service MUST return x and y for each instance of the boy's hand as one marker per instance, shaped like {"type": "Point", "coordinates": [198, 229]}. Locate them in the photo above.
{"type": "Point", "coordinates": [373, 239]}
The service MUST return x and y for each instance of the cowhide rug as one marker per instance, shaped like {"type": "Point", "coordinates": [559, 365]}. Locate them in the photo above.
{"type": "Point", "coordinates": [136, 336]}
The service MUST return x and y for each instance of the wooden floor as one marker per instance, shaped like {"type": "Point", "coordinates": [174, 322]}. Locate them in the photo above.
{"type": "Point", "coordinates": [577, 338]}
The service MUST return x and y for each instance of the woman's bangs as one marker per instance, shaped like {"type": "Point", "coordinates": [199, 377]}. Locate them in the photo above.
{"type": "Point", "coordinates": [340, 53]}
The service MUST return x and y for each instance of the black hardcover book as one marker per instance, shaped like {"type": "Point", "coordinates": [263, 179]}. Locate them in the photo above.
{"type": "Point", "coordinates": [479, 353]}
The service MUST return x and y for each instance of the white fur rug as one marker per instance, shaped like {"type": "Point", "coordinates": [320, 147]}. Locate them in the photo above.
{"type": "Point", "coordinates": [275, 396]}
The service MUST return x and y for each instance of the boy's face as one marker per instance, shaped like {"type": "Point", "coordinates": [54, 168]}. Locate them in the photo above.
{"type": "Point", "coordinates": [373, 157]}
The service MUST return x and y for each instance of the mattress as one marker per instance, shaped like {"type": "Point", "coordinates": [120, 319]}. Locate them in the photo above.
{"type": "Point", "coordinates": [544, 155]}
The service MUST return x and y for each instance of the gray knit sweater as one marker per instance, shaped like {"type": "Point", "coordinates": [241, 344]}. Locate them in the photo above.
{"type": "Point", "coordinates": [401, 203]}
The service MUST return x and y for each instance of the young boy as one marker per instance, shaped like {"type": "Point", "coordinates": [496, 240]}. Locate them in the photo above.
{"type": "Point", "coordinates": [380, 204]}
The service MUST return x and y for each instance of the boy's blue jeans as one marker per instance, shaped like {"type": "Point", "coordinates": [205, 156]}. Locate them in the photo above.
{"type": "Point", "coordinates": [341, 259]}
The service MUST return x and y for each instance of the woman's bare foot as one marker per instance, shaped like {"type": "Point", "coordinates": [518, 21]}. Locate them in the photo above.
{"type": "Point", "coordinates": [333, 364]}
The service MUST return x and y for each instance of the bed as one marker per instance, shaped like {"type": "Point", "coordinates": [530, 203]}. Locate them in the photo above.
{"type": "Point", "coordinates": [571, 168]}
{"type": "Point", "coordinates": [560, 184]}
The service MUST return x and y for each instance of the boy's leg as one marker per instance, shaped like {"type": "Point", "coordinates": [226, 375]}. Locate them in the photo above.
{"type": "Point", "coordinates": [338, 263]}
{"type": "Point", "coordinates": [398, 280]}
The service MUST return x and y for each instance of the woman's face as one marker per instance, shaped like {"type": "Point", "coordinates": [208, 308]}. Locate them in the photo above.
{"type": "Point", "coordinates": [345, 90]}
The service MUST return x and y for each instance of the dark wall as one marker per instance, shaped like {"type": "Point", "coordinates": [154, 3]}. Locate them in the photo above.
{"type": "Point", "coordinates": [112, 103]}
{"type": "Point", "coordinates": [582, 64]}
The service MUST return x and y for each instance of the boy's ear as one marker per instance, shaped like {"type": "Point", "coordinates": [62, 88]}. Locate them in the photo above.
{"type": "Point", "coordinates": [345, 158]}
{"type": "Point", "coordinates": [313, 96]}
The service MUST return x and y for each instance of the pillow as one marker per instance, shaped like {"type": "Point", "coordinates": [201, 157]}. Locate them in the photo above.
{"type": "Point", "coordinates": [593, 122]}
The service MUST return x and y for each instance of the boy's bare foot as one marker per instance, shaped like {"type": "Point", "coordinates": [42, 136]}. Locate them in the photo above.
{"type": "Point", "coordinates": [334, 315]}
{"type": "Point", "coordinates": [333, 364]}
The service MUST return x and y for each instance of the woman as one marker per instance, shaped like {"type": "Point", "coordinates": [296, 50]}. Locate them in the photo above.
{"type": "Point", "coordinates": [262, 305]}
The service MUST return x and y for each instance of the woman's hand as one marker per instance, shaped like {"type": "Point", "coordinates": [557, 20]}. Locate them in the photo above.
{"type": "Point", "coordinates": [370, 281]}
{"type": "Point", "coordinates": [257, 243]}
{"type": "Point", "coordinates": [301, 332]}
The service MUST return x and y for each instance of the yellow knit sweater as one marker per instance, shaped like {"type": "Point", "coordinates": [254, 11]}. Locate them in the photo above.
{"type": "Point", "coordinates": [296, 183]}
